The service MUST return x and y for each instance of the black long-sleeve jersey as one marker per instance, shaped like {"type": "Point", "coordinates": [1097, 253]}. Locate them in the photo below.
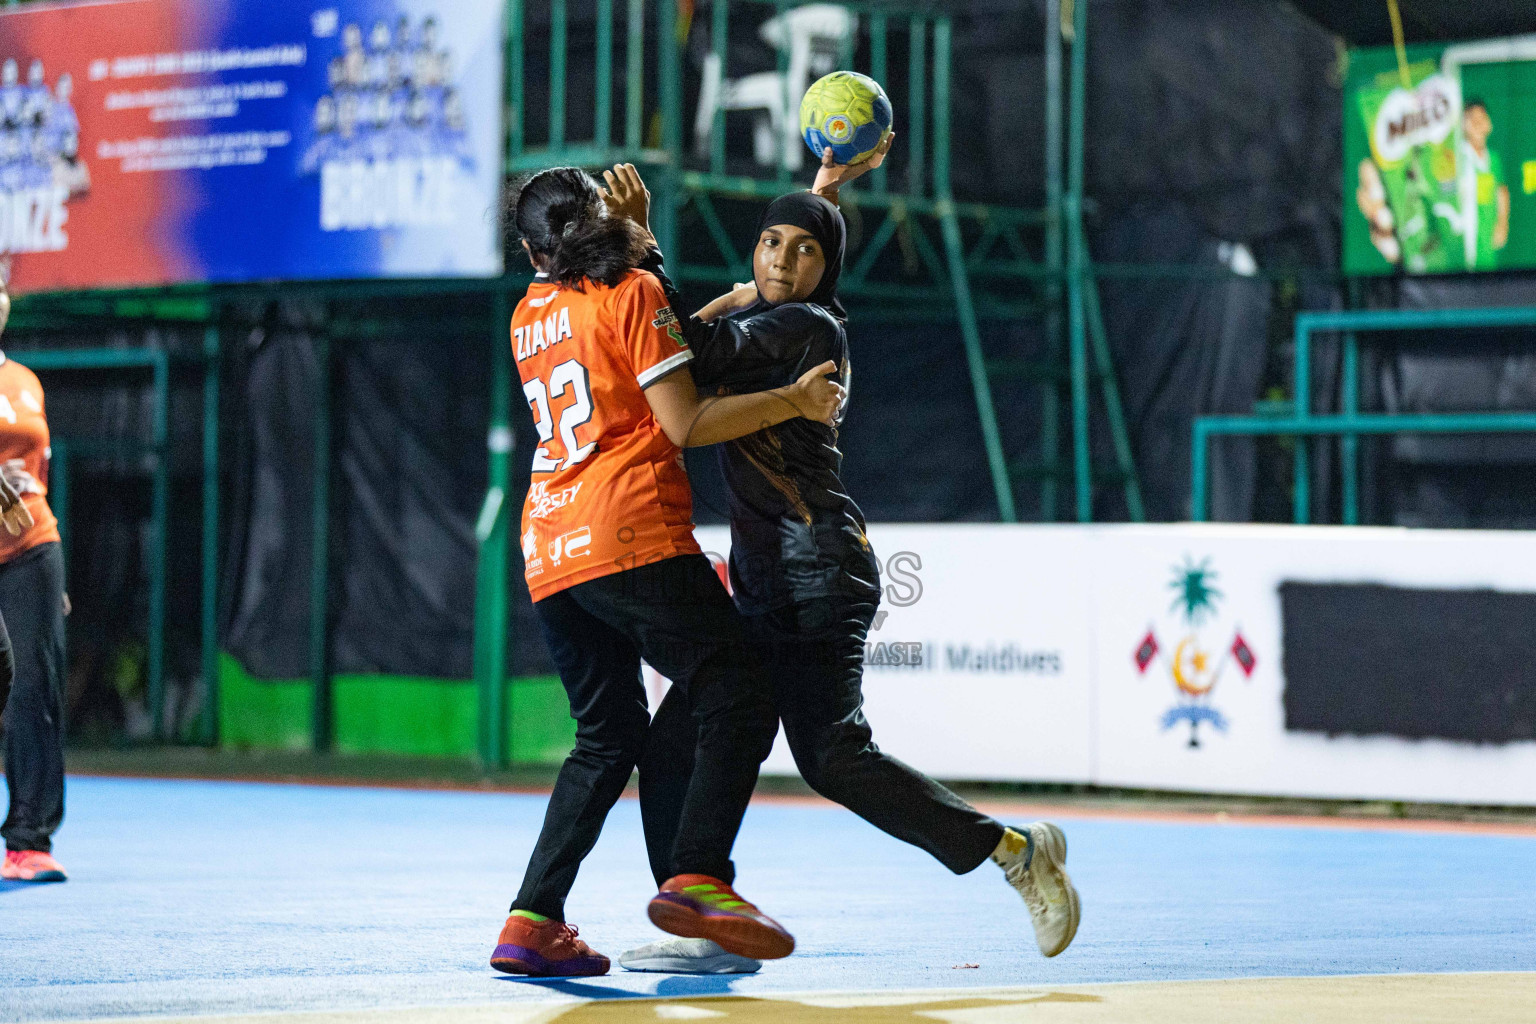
{"type": "Point", "coordinates": [796, 534]}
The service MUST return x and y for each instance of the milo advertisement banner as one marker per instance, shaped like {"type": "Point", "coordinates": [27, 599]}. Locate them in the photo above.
{"type": "Point", "coordinates": [1440, 158]}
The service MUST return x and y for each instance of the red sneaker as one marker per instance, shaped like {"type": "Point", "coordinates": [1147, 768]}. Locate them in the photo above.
{"type": "Point", "coordinates": [31, 866]}
{"type": "Point", "coordinates": [701, 907]}
{"type": "Point", "coordinates": [546, 949]}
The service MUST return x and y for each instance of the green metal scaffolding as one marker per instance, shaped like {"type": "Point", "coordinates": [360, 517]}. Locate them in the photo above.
{"type": "Point", "coordinates": [975, 264]}
{"type": "Point", "coordinates": [1048, 274]}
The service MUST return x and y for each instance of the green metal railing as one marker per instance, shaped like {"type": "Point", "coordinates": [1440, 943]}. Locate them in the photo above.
{"type": "Point", "coordinates": [492, 531]}
{"type": "Point", "coordinates": [1349, 424]}
{"type": "Point", "coordinates": [212, 368]}
{"type": "Point", "coordinates": [321, 719]}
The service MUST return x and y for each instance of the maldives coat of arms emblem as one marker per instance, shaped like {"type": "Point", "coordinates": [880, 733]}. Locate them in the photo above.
{"type": "Point", "coordinates": [1197, 660]}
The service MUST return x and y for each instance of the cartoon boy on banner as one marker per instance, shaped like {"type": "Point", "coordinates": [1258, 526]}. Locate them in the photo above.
{"type": "Point", "coordinates": [1482, 190]}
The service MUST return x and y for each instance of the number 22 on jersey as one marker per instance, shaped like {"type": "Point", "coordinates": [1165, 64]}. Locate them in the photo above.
{"type": "Point", "coordinates": [567, 376]}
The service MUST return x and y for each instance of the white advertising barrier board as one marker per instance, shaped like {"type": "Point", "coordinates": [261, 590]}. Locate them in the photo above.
{"type": "Point", "coordinates": [1152, 657]}
{"type": "Point", "coordinates": [1002, 690]}
{"type": "Point", "coordinates": [1144, 580]}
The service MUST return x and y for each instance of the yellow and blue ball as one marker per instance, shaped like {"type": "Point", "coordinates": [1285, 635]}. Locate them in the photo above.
{"type": "Point", "coordinates": [847, 111]}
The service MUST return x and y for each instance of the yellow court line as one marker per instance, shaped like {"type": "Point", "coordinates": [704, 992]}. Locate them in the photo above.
{"type": "Point", "coordinates": [1502, 998]}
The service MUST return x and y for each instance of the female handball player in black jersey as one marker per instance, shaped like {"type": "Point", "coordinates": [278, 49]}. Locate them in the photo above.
{"type": "Point", "coordinates": [804, 575]}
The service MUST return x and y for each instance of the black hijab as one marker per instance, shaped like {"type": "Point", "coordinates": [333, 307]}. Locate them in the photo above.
{"type": "Point", "coordinates": [810, 212]}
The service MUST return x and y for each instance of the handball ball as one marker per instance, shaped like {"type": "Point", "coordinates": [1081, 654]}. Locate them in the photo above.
{"type": "Point", "coordinates": [847, 111]}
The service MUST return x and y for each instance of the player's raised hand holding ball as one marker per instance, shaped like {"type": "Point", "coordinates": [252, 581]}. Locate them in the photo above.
{"type": "Point", "coordinates": [845, 119]}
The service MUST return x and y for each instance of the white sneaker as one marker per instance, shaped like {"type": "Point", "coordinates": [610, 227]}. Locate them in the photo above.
{"type": "Point", "coordinates": [687, 956]}
{"type": "Point", "coordinates": [1032, 858]}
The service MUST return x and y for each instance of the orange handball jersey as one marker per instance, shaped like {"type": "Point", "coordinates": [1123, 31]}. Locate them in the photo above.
{"type": "Point", "coordinates": [24, 438]}
{"type": "Point", "coordinates": [608, 490]}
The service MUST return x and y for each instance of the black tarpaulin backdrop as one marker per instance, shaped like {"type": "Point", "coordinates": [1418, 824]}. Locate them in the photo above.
{"type": "Point", "coordinates": [271, 535]}
{"type": "Point", "coordinates": [1183, 348]}
{"type": "Point", "coordinates": [1209, 123]}
{"type": "Point", "coordinates": [408, 475]}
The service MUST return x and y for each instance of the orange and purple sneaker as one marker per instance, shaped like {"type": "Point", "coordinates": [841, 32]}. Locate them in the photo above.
{"type": "Point", "coordinates": [545, 949]}
{"type": "Point", "coordinates": [31, 866]}
{"type": "Point", "coordinates": [701, 907]}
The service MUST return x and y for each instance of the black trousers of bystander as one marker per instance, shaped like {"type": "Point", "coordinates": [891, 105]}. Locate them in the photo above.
{"type": "Point", "coordinates": [32, 662]}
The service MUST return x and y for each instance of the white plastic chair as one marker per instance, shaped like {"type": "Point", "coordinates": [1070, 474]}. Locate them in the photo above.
{"type": "Point", "coordinates": [814, 36]}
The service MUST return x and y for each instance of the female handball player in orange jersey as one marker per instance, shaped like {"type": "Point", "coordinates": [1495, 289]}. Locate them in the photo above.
{"type": "Point", "coordinates": [806, 580]}
{"type": "Point", "coordinates": [31, 628]}
{"type": "Point", "coordinates": [615, 574]}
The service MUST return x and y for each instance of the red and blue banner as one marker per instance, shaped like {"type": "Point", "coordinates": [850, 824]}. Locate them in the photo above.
{"type": "Point", "coordinates": [145, 142]}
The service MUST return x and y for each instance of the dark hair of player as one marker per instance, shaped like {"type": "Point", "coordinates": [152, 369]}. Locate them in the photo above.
{"type": "Point", "coordinates": [1473, 102]}
{"type": "Point", "coordinates": [560, 214]}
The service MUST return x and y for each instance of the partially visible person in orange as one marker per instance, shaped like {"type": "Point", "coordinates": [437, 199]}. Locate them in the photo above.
{"type": "Point", "coordinates": [32, 606]}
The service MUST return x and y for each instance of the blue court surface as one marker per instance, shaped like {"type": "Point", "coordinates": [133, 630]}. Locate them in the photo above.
{"type": "Point", "coordinates": [219, 898]}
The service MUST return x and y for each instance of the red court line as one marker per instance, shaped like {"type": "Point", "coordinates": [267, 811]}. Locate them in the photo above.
{"type": "Point", "coordinates": [330, 782]}
{"type": "Point", "coordinates": [1020, 810]}
{"type": "Point", "coordinates": [1004, 810]}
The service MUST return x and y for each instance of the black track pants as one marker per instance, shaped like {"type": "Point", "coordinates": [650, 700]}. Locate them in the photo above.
{"type": "Point", "coordinates": [815, 654]}
{"type": "Point", "coordinates": [677, 616]}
